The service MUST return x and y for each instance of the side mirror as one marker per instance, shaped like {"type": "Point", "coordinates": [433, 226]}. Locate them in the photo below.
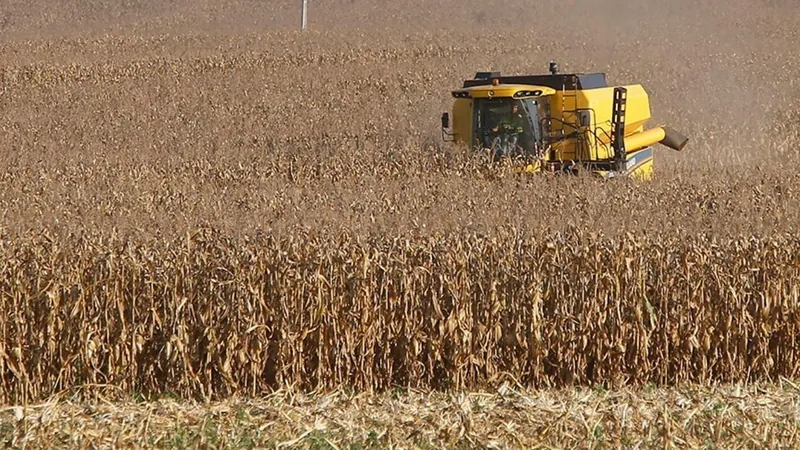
{"type": "Point", "coordinates": [445, 120]}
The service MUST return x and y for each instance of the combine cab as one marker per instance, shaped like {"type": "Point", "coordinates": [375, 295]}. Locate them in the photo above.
{"type": "Point", "coordinates": [559, 123]}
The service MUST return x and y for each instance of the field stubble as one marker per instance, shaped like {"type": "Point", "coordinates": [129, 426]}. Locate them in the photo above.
{"type": "Point", "coordinates": [764, 416]}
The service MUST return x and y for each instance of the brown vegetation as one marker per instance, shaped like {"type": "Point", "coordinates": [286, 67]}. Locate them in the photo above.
{"type": "Point", "coordinates": [763, 416]}
{"type": "Point", "coordinates": [224, 213]}
{"type": "Point", "coordinates": [207, 316]}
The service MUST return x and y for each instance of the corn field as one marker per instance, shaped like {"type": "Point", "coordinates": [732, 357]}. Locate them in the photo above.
{"type": "Point", "coordinates": [198, 202]}
{"type": "Point", "coordinates": [210, 317]}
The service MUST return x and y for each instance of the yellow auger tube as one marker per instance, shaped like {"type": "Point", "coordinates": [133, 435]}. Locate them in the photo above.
{"type": "Point", "coordinates": [663, 135]}
{"type": "Point", "coordinates": [638, 141]}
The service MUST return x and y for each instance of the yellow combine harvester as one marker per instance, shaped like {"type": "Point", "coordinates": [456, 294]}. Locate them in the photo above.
{"type": "Point", "coordinates": [559, 123]}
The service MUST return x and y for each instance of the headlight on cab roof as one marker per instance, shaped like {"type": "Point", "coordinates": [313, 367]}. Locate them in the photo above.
{"type": "Point", "coordinates": [519, 94]}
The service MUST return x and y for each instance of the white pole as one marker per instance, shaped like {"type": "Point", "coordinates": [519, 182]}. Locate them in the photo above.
{"type": "Point", "coordinates": [305, 14]}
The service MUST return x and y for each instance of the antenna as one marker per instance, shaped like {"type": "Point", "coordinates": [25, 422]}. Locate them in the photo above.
{"type": "Point", "coordinates": [304, 20]}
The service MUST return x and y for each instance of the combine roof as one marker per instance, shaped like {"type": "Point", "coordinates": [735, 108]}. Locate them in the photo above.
{"type": "Point", "coordinates": [571, 81]}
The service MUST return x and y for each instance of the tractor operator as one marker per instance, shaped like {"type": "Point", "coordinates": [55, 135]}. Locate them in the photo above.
{"type": "Point", "coordinates": [513, 123]}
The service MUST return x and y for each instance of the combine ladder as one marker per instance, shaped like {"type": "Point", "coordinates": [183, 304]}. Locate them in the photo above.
{"type": "Point", "coordinates": [618, 128]}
